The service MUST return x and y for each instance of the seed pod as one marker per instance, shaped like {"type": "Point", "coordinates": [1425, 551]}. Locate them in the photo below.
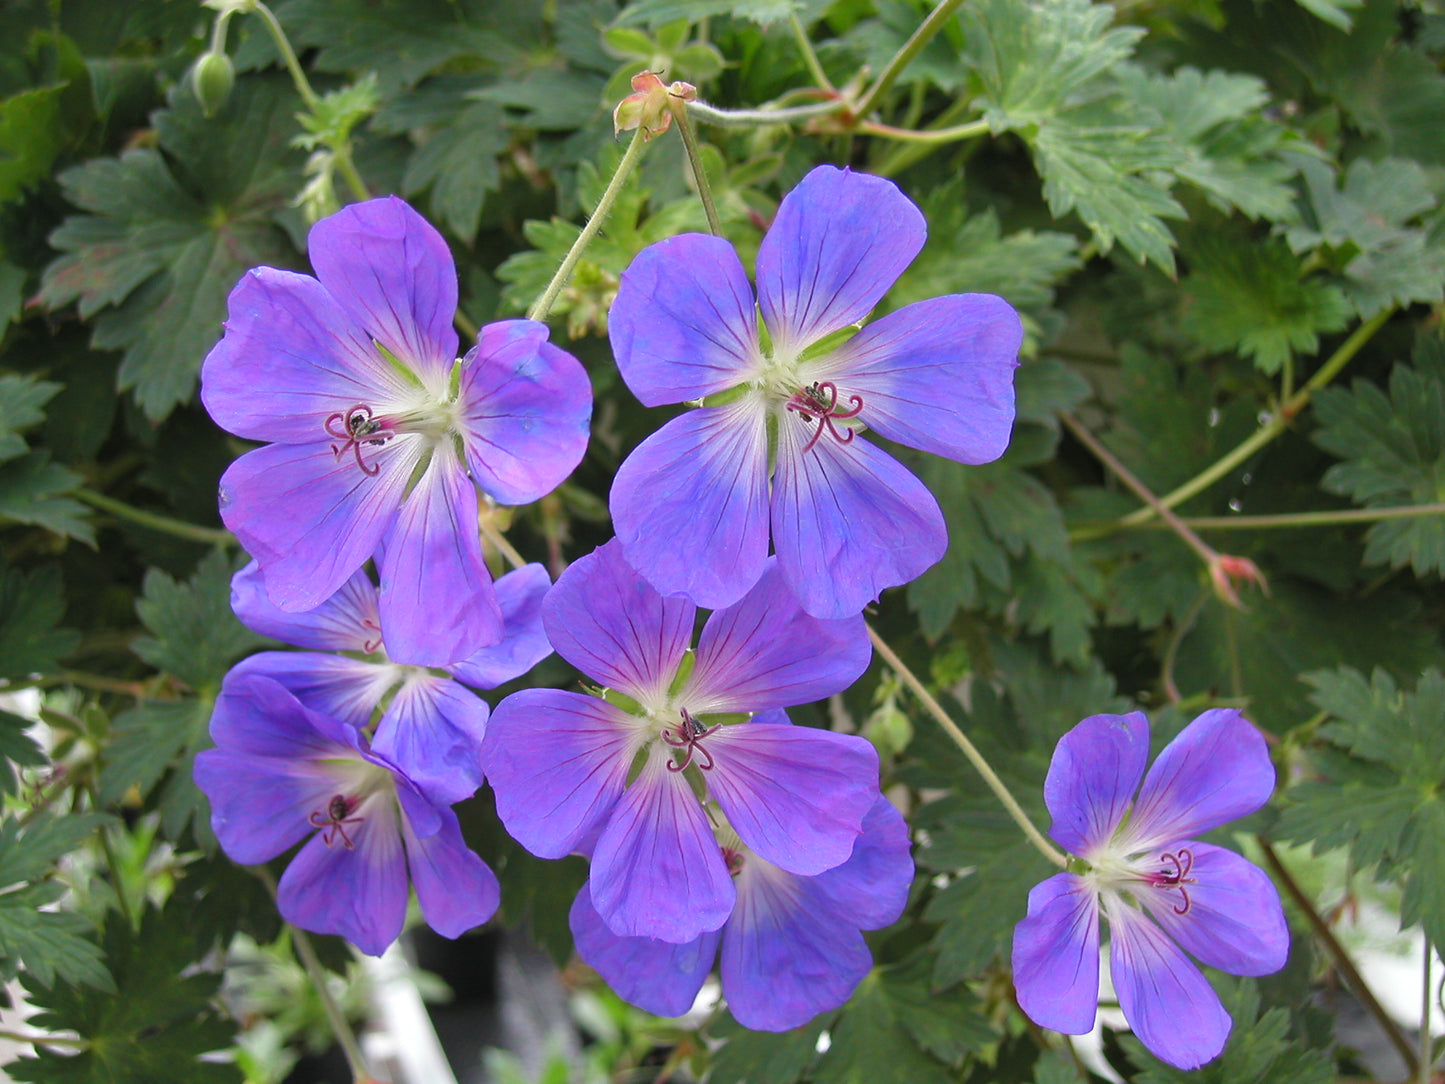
{"type": "Point", "coordinates": [212, 78]}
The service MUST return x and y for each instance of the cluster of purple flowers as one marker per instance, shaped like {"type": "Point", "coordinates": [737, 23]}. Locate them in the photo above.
{"type": "Point", "coordinates": [715, 828]}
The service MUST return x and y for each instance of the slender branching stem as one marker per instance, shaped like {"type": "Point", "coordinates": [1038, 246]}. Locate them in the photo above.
{"type": "Point", "coordinates": [995, 784]}
{"type": "Point", "coordinates": [1325, 518]}
{"type": "Point", "coordinates": [757, 118]}
{"type": "Point", "coordinates": [211, 536]}
{"type": "Point", "coordinates": [1276, 425]}
{"type": "Point", "coordinates": [1426, 1058]}
{"type": "Point", "coordinates": [678, 107]}
{"type": "Point", "coordinates": [953, 134]}
{"type": "Point", "coordinates": [543, 304]}
{"type": "Point", "coordinates": [288, 56]}
{"type": "Point", "coordinates": [499, 540]}
{"type": "Point", "coordinates": [810, 56]}
{"type": "Point", "coordinates": [910, 49]}
{"type": "Point", "coordinates": [1343, 963]}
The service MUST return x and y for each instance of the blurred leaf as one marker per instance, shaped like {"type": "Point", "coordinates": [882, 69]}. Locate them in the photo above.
{"type": "Point", "coordinates": [1253, 297]}
{"type": "Point", "coordinates": [196, 637]}
{"type": "Point", "coordinates": [18, 748]}
{"type": "Point", "coordinates": [144, 742]}
{"type": "Point", "coordinates": [1393, 455]}
{"type": "Point", "coordinates": [762, 1057]}
{"type": "Point", "coordinates": [762, 12]}
{"type": "Point", "coordinates": [32, 491]}
{"type": "Point", "coordinates": [30, 607]}
{"type": "Point", "coordinates": [23, 397]}
{"type": "Point", "coordinates": [156, 1025]}
{"type": "Point", "coordinates": [170, 232]}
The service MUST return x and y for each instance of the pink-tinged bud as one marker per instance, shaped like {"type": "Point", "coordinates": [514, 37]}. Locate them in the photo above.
{"type": "Point", "coordinates": [1225, 570]}
{"type": "Point", "coordinates": [648, 106]}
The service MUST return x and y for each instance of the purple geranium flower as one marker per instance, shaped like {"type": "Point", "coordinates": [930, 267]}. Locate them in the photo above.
{"type": "Point", "coordinates": [792, 947]}
{"type": "Point", "coordinates": [432, 727]}
{"type": "Point", "coordinates": [1141, 852]}
{"type": "Point", "coordinates": [281, 772]}
{"type": "Point", "coordinates": [614, 775]}
{"type": "Point", "coordinates": [379, 431]}
{"type": "Point", "coordinates": [692, 504]}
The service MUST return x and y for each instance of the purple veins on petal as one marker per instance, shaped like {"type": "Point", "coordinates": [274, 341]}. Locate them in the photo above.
{"type": "Point", "coordinates": [690, 504]}
{"type": "Point", "coordinates": [1093, 776]}
{"type": "Point", "coordinates": [849, 521]}
{"type": "Point", "coordinates": [333, 685]}
{"type": "Point", "coordinates": [1056, 955]}
{"type": "Point", "coordinates": [457, 891]}
{"type": "Point", "coordinates": [683, 326]}
{"type": "Point", "coordinates": [607, 621]}
{"type": "Point", "coordinates": [838, 243]}
{"type": "Point", "coordinates": [524, 642]}
{"type": "Point", "coordinates": [432, 731]}
{"type": "Point", "coordinates": [347, 621]}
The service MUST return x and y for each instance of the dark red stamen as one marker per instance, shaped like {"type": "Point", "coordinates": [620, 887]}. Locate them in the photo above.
{"type": "Point", "coordinates": [1178, 877]}
{"type": "Point", "coordinates": [733, 860]}
{"type": "Point", "coordinates": [358, 426]}
{"type": "Point", "coordinates": [689, 736]}
{"type": "Point", "coordinates": [334, 820]}
{"type": "Point", "coordinates": [372, 644]}
{"type": "Point", "coordinates": [810, 405]}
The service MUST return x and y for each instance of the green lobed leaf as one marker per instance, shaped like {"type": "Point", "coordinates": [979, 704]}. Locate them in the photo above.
{"type": "Point", "coordinates": [32, 491]}
{"type": "Point", "coordinates": [1392, 451]}
{"type": "Point", "coordinates": [762, 1057]}
{"type": "Point", "coordinates": [153, 1029]}
{"type": "Point", "coordinates": [1254, 297]}
{"type": "Point", "coordinates": [19, 750]}
{"type": "Point", "coordinates": [171, 230]}
{"type": "Point", "coordinates": [194, 633]}
{"type": "Point", "coordinates": [30, 607]}
{"type": "Point", "coordinates": [49, 945]}
{"type": "Point", "coordinates": [23, 396]}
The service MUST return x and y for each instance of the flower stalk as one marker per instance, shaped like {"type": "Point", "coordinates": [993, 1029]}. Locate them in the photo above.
{"type": "Point", "coordinates": [990, 777]}
{"type": "Point", "coordinates": [910, 49]}
{"type": "Point", "coordinates": [677, 105]}
{"type": "Point", "coordinates": [211, 536]}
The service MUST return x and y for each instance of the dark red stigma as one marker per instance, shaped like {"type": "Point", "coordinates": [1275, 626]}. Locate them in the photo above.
{"type": "Point", "coordinates": [689, 736]}
{"type": "Point", "coordinates": [1177, 877]}
{"type": "Point", "coordinates": [356, 427]}
{"type": "Point", "coordinates": [334, 820]}
{"type": "Point", "coordinates": [819, 403]}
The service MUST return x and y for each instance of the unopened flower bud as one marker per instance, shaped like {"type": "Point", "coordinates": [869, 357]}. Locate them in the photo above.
{"type": "Point", "coordinates": [212, 78]}
{"type": "Point", "coordinates": [647, 107]}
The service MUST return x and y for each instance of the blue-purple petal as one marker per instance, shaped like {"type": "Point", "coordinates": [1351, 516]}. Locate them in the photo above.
{"type": "Point", "coordinates": [335, 686]}
{"type": "Point", "coordinates": [347, 621]}
{"type": "Point", "coordinates": [358, 892]}
{"type": "Point", "coordinates": [870, 890]}
{"type": "Point", "coordinates": [786, 956]}
{"type": "Point", "coordinates": [690, 504]}
{"type": "Point", "coordinates": [312, 518]}
{"type": "Point", "coordinates": [437, 601]}
{"type": "Point", "coordinates": [839, 241]}
{"type": "Point", "coordinates": [796, 795]}
{"type": "Point", "coordinates": [526, 411]}
{"type": "Point", "coordinates": [607, 621]}
{"type": "Point", "coordinates": [1167, 1002]}
{"type": "Point", "coordinates": [260, 805]}
{"type": "Point", "coordinates": [291, 357]}
{"type": "Point", "coordinates": [524, 641]}
{"type": "Point", "coordinates": [558, 762]}
{"type": "Point", "coordinates": [1093, 776]}
{"type": "Point", "coordinates": [937, 375]}
{"type": "Point", "coordinates": [256, 714]}
{"type": "Point", "coordinates": [1216, 770]}
{"type": "Point", "coordinates": [457, 891]}
{"type": "Point", "coordinates": [765, 652]}
{"type": "Point", "coordinates": [657, 870]}
{"type": "Point", "coordinates": [395, 276]}
{"type": "Point", "coordinates": [683, 325]}
{"type": "Point", "coordinates": [1232, 918]}
{"type": "Point", "coordinates": [848, 521]}
{"type": "Point", "coordinates": [656, 976]}
{"type": "Point", "coordinates": [433, 732]}
{"type": "Point", "coordinates": [1056, 955]}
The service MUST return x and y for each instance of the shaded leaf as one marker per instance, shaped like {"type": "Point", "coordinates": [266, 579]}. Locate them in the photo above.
{"type": "Point", "coordinates": [32, 491]}
{"type": "Point", "coordinates": [30, 607]}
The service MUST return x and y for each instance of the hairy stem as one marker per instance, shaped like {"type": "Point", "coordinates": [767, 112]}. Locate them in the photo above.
{"type": "Point", "coordinates": [543, 304]}
{"type": "Point", "coordinates": [211, 536]}
{"type": "Point", "coordinates": [910, 49]}
{"type": "Point", "coordinates": [995, 784]}
{"type": "Point", "coordinates": [1276, 425]}
{"type": "Point", "coordinates": [1343, 963]}
{"type": "Point", "coordinates": [810, 56]}
{"type": "Point", "coordinates": [952, 134]}
{"type": "Point", "coordinates": [756, 118]}
{"type": "Point", "coordinates": [678, 107]}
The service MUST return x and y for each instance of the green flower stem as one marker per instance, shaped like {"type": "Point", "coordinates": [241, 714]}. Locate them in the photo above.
{"type": "Point", "coordinates": [288, 56]}
{"type": "Point", "coordinates": [971, 130]}
{"type": "Point", "coordinates": [995, 784]}
{"type": "Point", "coordinates": [1343, 963]}
{"type": "Point", "coordinates": [912, 151]}
{"type": "Point", "coordinates": [1425, 1058]}
{"type": "Point", "coordinates": [757, 118]}
{"type": "Point", "coordinates": [1206, 553]}
{"type": "Point", "coordinates": [1277, 425]}
{"type": "Point", "coordinates": [45, 1040]}
{"type": "Point", "coordinates": [349, 173]}
{"type": "Point", "coordinates": [211, 536]}
{"type": "Point", "coordinates": [116, 880]}
{"type": "Point", "coordinates": [810, 56]}
{"type": "Point", "coordinates": [1085, 531]}
{"type": "Point", "coordinates": [543, 304]}
{"type": "Point", "coordinates": [499, 540]}
{"type": "Point", "coordinates": [678, 107]}
{"type": "Point", "coordinates": [911, 48]}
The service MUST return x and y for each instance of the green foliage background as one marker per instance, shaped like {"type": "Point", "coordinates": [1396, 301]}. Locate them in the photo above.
{"type": "Point", "coordinates": [1223, 221]}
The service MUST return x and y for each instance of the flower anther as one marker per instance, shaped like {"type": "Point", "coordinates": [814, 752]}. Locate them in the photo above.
{"type": "Point", "coordinates": [358, 426]}
{"type": "Point", "coordinates": [810, 405]}
{"type": "Point", "coordinates": [334, 820]}
{"type": "Point", "coordinates": [1177, 878]}
{"type": "Point", "coordinates": [689, 736]}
